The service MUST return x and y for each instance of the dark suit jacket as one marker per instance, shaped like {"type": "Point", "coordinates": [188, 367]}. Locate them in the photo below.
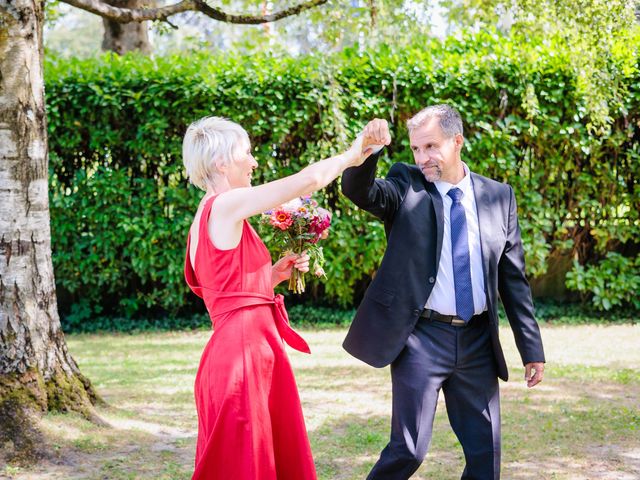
{"type": "Point", "coordinates": [413, 215]}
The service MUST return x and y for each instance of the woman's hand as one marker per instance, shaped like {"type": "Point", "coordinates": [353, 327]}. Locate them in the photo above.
{"type": "Point", "coordinates": [281, 270]}
{"type": "Point", "coordinates": [355, 154]}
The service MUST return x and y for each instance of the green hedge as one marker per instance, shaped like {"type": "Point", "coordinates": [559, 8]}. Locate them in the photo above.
{"type": "Point", "coordinates": [314, 316]}
{"type": "Point", "coordinates": [121, 207]}
{"type": "Point", "coordinates": [300, 315]}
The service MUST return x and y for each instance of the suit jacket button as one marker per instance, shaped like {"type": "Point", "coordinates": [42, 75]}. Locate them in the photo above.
{"type": "Point", "coordinates": [416, 312]}
{"type": "Point", "coordinates": [432, 280]}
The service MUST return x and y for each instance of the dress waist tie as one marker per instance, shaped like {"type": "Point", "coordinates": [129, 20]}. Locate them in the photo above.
{"type": "Point", "coordinates": [220, 303]}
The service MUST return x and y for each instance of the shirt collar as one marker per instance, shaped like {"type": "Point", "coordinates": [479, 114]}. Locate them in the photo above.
{"type": "Point", "coordinates": [464, 184]}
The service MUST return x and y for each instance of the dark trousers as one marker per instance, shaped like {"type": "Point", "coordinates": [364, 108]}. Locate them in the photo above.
{"type": "Point", "coordinates": [458, 360]}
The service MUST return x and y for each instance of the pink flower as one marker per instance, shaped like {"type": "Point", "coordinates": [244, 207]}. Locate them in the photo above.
{"type": "Point", "coordinates": [320, 222]}
{"type": "Point", "coordinates": [281, 219]}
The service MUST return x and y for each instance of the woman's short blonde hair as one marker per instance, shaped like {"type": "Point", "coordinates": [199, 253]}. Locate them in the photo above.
{"type": "Point", "coordinates": [210, 141]}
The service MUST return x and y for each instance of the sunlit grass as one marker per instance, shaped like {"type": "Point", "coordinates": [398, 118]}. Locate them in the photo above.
{"type": "Point", "coordinates": [583, 422]}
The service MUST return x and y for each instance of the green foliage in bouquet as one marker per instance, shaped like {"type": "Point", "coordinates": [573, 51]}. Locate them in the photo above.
{"type": "Point", "coordinates": [297, 227]}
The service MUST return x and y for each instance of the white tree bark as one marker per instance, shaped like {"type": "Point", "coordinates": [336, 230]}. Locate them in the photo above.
{"type": "Point", "coordinates": [33, 352]}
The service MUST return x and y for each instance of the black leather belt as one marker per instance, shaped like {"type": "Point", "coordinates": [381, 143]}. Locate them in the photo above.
{"type": "Point", "coordinates": [454, 320]}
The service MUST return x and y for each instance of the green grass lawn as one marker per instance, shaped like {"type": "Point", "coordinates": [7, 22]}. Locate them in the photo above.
{"type": "Point", "coordinates": [582, 423]}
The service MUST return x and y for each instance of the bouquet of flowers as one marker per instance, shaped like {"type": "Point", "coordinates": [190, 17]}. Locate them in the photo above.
{"type": "Point", "coordinates": [298, 225]}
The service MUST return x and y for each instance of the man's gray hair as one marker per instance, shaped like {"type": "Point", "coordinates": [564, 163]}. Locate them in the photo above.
{"type": "Point", "coordinates": [450, 120]}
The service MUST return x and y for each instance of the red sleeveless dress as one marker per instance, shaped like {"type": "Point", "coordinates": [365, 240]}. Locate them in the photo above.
{"type": "Point", "coordinates": [250, 423]}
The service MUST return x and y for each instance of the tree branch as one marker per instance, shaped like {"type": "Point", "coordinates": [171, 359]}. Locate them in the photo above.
{"type": "Point", "coordinates": [127, 15]}
{"type": "Point", "coordinates": [253, 20]}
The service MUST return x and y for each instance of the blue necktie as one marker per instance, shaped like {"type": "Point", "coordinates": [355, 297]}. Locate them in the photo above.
{"type": "Point", "coordinates": [460, 254]}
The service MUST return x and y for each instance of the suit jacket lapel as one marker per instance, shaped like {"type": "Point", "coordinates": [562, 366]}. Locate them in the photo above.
{"type": "Point", "coordinates": [483, 207]}
{"type": "Point", "coordinates": [438, 209]}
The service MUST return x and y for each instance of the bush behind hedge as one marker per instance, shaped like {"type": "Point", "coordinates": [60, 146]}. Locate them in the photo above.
{"type": "Point", "coordinates": [121, 207]}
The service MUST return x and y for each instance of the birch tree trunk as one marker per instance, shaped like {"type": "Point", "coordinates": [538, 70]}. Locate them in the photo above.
{"type": "Point", "coordinates": [126, 37]}
{"type": "Point", "coordinates": [37, 372]}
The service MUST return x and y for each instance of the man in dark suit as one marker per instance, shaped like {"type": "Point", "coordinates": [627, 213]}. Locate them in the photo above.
{"type": "Point", "coordinates": [453, 245]}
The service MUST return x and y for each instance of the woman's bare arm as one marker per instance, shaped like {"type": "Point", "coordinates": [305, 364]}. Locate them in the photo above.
{"type": "Point", "coordinates": [238, 204]}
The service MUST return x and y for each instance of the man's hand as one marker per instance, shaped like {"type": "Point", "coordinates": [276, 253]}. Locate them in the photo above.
{"type": "Point", "coordinates": [375, 134]}
{"type": "Point", "coordinates": [533, 373]}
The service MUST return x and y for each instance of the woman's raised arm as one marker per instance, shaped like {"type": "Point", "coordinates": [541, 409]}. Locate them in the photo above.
{"type": "Point", "coordinates": [238, 204]}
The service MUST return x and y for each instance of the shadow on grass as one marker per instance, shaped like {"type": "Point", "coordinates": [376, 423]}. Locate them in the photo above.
{"type": "Point", "coordinates": [571, 431]}
{"type": "Point", "coordinates": [122, 450]}
{"type": "Point", "coordinates": [347, 447]}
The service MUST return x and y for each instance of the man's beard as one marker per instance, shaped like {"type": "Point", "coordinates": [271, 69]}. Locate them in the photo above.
{"type": "Point", "coordinates": [434, 174]}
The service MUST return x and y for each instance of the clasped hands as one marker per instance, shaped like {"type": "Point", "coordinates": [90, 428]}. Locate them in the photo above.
{"type": "Point", "coordinates": [373, 137]}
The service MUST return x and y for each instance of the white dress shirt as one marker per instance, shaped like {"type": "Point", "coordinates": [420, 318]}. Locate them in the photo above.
{"type": "Point", "coordinates": [443, 296]}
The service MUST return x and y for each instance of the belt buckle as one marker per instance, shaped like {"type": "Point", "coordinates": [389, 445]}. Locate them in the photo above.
{"type": "Point", "coordinates": [458, 322]}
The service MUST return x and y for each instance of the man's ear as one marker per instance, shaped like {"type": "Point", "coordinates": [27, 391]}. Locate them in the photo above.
{"type": "Point", "coordinates": [459, 141]}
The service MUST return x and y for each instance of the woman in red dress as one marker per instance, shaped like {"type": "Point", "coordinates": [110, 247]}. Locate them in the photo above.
{"type": "Point", "coordinates": [250, 422]}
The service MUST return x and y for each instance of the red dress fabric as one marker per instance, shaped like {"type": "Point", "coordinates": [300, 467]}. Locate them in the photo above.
{"type": "Point", "coordinates": [250, 422]}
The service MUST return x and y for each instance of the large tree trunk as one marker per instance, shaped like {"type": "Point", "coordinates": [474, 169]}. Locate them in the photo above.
{"type": "Point", "coordinates": [126, 37]}
{"type": "Point", "coordinates": [36, 371]}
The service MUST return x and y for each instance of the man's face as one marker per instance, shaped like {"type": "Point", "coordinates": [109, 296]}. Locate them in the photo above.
{"type": "Point", "coordinates": [437, 155]}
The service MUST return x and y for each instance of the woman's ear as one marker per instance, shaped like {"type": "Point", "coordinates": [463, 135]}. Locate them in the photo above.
{"type": "Point", "coordinates": [221, 166]}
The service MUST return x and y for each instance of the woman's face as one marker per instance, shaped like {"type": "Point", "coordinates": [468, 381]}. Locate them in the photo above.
{"type": "Point", "coordinates": [242, 166]}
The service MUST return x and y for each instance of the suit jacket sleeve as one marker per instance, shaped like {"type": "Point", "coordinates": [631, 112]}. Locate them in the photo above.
{"type": "Point", "coordinates": [515, 292]}
{"type": "Point", "coordinates": [378, 196]}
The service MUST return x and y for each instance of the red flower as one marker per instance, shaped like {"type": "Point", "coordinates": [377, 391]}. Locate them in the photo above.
{"type": "Point", "coordinates": [281, 219]}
